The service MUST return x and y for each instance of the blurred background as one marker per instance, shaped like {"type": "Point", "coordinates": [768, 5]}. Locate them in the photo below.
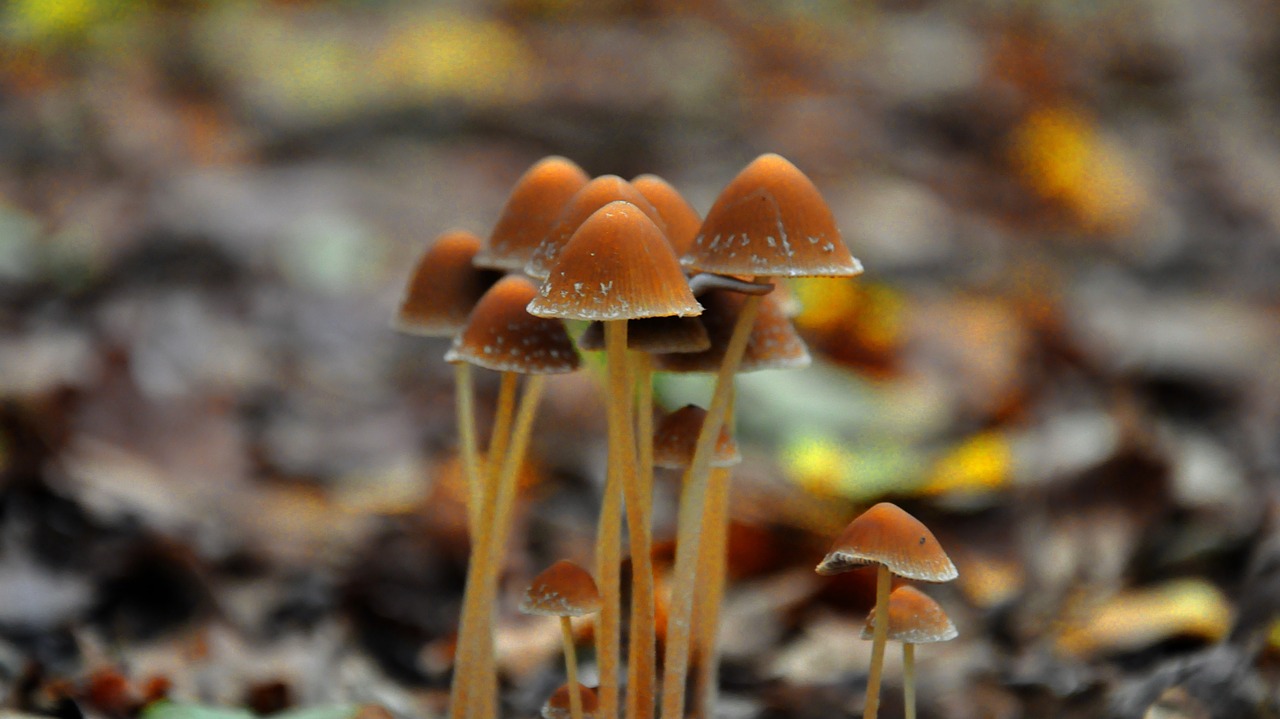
{"type": "Point", "coordinates": [228, 481]}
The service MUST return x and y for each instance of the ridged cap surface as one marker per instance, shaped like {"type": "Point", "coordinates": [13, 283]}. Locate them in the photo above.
{"type": "Point", "coordinates": [501, 335]}
{"type": "Point", "coordinates": [444, 287]}
{"type": "Point", "coordinates": [771, 221]}
{"type": "Point", "coordinates": [532, 208]}
{"type": "Point", "coordinates": [617, 266]}
{"type": "Point", "coordinates": [914, 618]}
{"type": "Point", "coordinates": [595, 194]}
{"type": "Point", "coordinates": [676, 437]}
{"type": "Point", "coordinates": [886, 534]}
{"type": "Point", "coordinates": [681, 220]}
{"type": "Point", "coordinates": [562, 590]}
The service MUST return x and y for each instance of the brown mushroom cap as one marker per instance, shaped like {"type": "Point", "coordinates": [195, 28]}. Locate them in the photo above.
{"type": "Point", "coordinates": [653, 335]}
{"type": "Point", "coordinates": [914, 618]}
{"type": "Point", "coordinates": [885, 534]}
{"type": "Point", "coordinates": [533, 207]}
{"type": "Point", "coordinates": [682, 221]}
{"type": "Point", "coordinates": [557, 706]}
{"type": "Point", "coordinates": [771, 221]}
{"type": "Point", "coordinates": [617, 266]}
{"type": "Point", "coordinates": [773, 343]}
{"type": "Point", "coordinates": [595, 194]}
{"type": "Point", "coordinates": [562, 590]}
{"type": "Point", "coordinates": [444, 287]}
{"type": "Point", "coordinates": [500, 335]}
{"type": "Point", "coordinates": [676, 437]}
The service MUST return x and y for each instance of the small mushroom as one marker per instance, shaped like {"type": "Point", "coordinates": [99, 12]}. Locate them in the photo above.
{"type": "Point", "coordinates": [897, 543]}
{"type": "Point", "coordinates": [914, 619]}
{"type": "Point", "coordinates": [564, 590]}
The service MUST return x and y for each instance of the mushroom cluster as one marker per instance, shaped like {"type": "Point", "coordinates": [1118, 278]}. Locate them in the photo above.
{"type": "Point", "coordinates": [663, 291]}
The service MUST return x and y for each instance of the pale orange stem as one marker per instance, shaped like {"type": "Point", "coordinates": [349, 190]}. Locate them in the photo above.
{"type": "Point", "coordinates": [642, 655]}
{"type": "Point", "coordinates": [879, 636]}
{"type": "Point", "coordinates": [689, 522]}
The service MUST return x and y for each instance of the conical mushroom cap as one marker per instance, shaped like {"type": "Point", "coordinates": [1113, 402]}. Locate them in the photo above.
{"type": "Point", "coordinates": [682, 221]}
{"type": "Point", "coordinates": [655, 335]}
{"type": "Point", "coordinates": [557, 706]}
{"type": "Point", "coordinates": [676, 437]}
{"type": "Point", "coordinates": [562, 590]}
{"type": "Point", "coordinates": [532, 208]}
{"type": "Point", "coordinates": [617, 266]}
{"type": "Point", "coordinates": [595, 194]}
{"type": "Point", "coordinates": [885, 534]}
{"type": "Point", "coordinates": [444, 287]}
{"type": "Point", "coordinates": [914, 618]}
{"type": "Point", "coordinates": [771, 221]}
{"type": "Point", "coordinates": [500, 335]}
{"type": "Point", "coordinates": [773, 343]}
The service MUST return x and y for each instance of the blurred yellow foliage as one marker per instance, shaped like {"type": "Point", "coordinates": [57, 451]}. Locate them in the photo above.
{"type": "Point", "coordinates": [450, 54]}
{"type": "Point", "coordinates": [874, 311]}
{"type": "Point", "coordinates": [1138, 618]}
{"type": "Point", "coordinates": [1060, 152]}
{"type": "Point", "coordinates": [980, 463]}
{"type": "Point", "coordinates": [39, 21]}
{"type": "Point", "coordinates": [817, 464]}
{"type": "Point", "coordinates": [989, 582]}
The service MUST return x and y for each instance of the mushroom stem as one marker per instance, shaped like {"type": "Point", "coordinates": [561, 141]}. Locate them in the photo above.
{"type": "Point", "coordinates": [465, 396]}
{"type": "Point", "coordinates": [711, 572]}
{"type": "Point", "coordinates": [622, 452]}
{"type": "Point", "coordinates": [473, 680]}
{"type": "Point", "coordinates": [909, 679]}
{"type": "Point", "coordinates": [689, 522]}
{"type": "Point", "coordinates": [571, 667]}
{"type": "Point", "coordinates": [642, 652]}
{"type": "Point", "coordinates": [608, 569]}
{"type": "Point", "coordinates": [507, 450]}
{"type": "Point", "coordinates": [879, 636]}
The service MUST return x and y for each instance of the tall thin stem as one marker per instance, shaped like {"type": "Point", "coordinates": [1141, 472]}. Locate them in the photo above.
{"type": "Point", "coordinates": [468, 447]}
{"type": "Point", "coordinates": [571, 667]}
{"type": "Point", "coordinates": [909, 679]}
{"type": "Point", "coordinates": [474, 679]}
{"type": "Point", "coordinates": [879, 636]}
{"type": "Point", "coordinates": [642, 652]}
{"type": "Point", "coordinates": [711, 585]}
{"type": "Point", "coordinates": [608, 567]}
{"type": "Point", "coordinates": [689, 522]}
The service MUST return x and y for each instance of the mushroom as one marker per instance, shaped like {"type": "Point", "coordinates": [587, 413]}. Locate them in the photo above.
{"type": "Point", "coordinates": [500, 335]}
{"type": "Point", "coordinates": [914, 619]}
{"type": "Point", "coordinates": [897, 543]}
{"type": "Point", "coordinates": [594, 195]}
{"type": "Point", "coordinates": [558, 705]}
{"type": "Point", "coordinates": [532, 208]}
{"type": "Point", "coordinates": [564, 590]}
{"type": "Point", "coordinates": [681, 219]}
{"type": "Point", "coordinates": [441, 292]}
{"type": "Point", "coordinates": [617, 266]}
{"type": "Point", "coordinates": [769, 221]}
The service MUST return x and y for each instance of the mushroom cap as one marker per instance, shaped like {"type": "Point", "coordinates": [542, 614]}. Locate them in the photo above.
{"type": "Point", "coordinates": [500, 335]}
{"type": "Point", "coordinates": [444, 287]}
{"type": "Point", "coordinates": [682, 221]}
{"type": "Point", "coordinates": [676, 437]}
{"type": "Point", "coordinates": [773, 343]}
{"type": "Point", "coordinates": [885, 534]}
{"type": "Point", "coordinates": [557, 706]}
{"type": "Point", "coordinates": [562, 590]}
{"type": "Point", "coordinates": [771, 221]}
{"type": "Point", "coordinates": [914, 618]}
{"type": "Point", "coordinates": [653, 335]}
{"type": "Point", "coordinates": [617, 266]}
{"type": "Point", "coordinates": [595, 194]}
{"type": "Point", "coordinates": [532, 208]}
